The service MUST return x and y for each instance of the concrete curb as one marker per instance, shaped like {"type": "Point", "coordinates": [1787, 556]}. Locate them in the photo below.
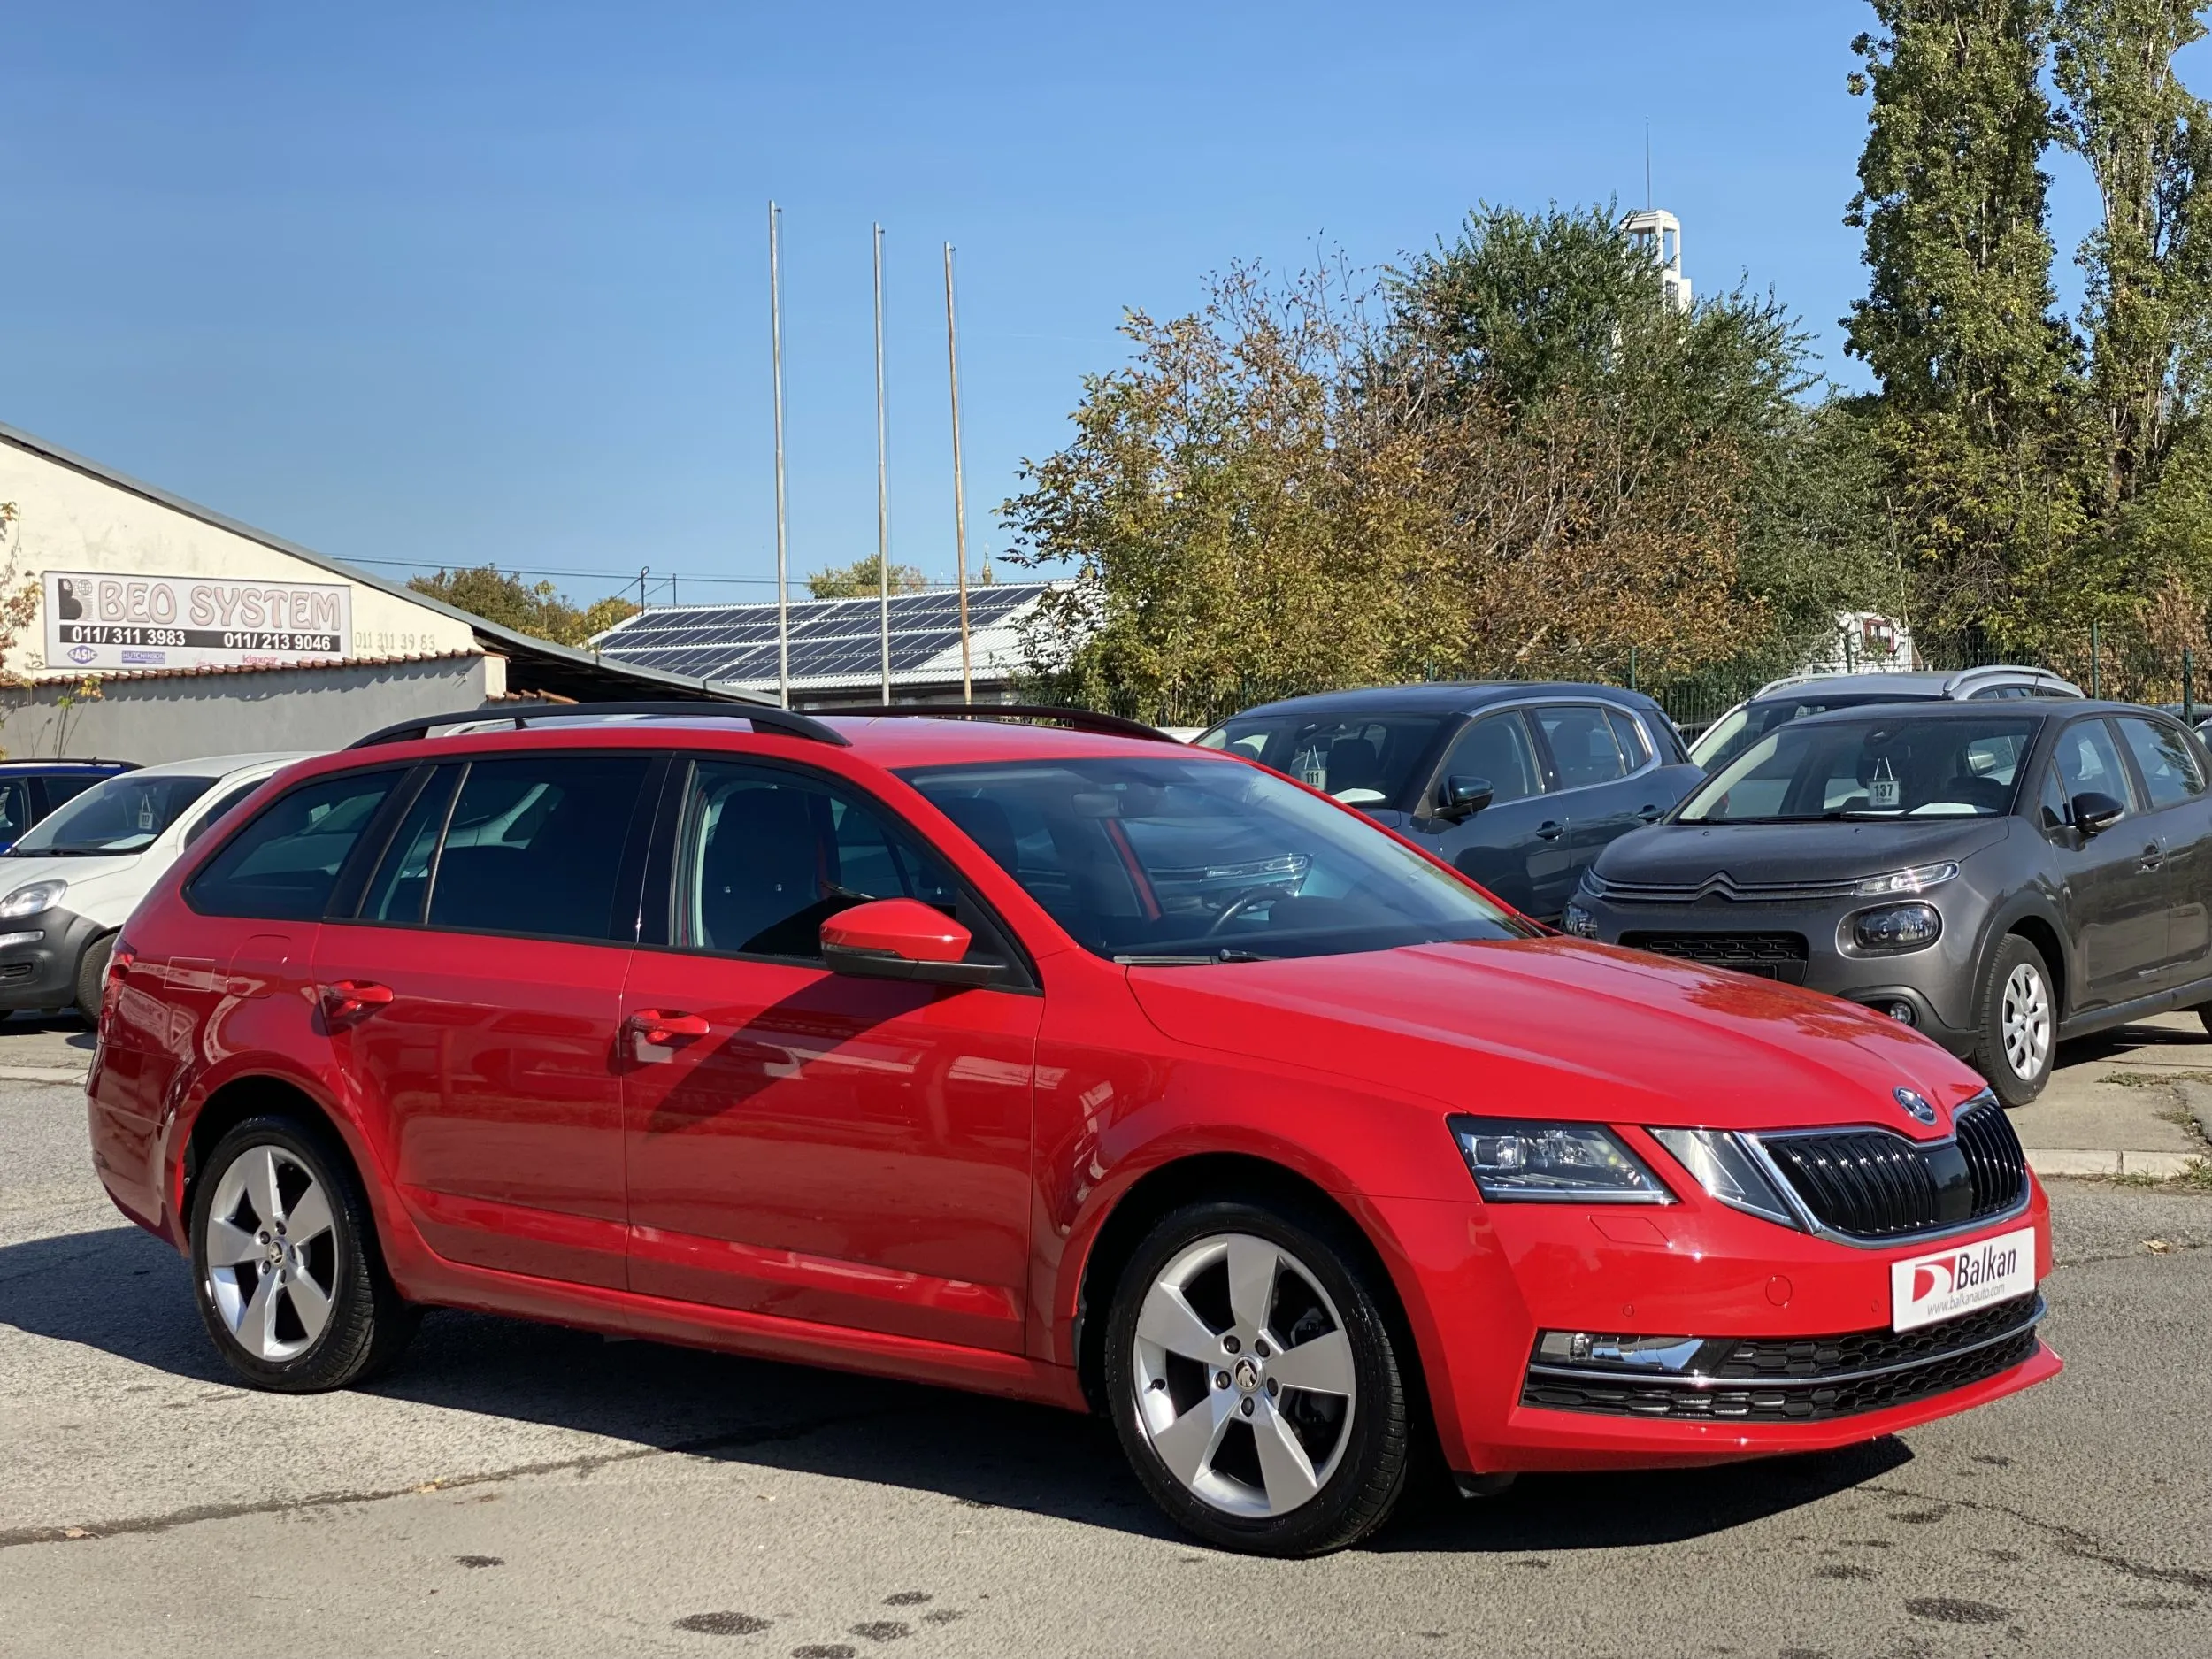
{"type": "Point", "coordinates": [43, 1074]}
{"type": "Point", "coordinates": [2075, 1161]}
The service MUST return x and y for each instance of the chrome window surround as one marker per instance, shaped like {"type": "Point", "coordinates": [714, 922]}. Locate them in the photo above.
{"type": "Point", "coordinates": [1529, 705]}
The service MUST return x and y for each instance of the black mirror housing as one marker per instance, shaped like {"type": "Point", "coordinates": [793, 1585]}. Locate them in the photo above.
{"type": "Point", "coordinates": [1464, 797]}
{"type": "Point", "coordinates": [2095, 812]}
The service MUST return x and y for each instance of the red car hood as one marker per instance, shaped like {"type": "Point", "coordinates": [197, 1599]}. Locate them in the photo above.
{"type": "Point", "coordinates": [1560, 1027]}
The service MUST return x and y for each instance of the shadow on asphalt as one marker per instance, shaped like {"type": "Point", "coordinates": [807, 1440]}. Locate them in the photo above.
{"type": "Point", "coordinates": [73, 1028]}
{"type": "Point", "coordinates": [123, 1292]}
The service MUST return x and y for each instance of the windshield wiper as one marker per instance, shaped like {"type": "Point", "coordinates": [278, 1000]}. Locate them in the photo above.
{"type": "Point", "coordinates": [1205, 961]}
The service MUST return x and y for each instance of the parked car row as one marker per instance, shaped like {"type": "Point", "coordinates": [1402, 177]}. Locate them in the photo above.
{"type": "Point", "coordinates": [1063, 1065]}
{"type": "Point", "coordinates": [1987, 857]}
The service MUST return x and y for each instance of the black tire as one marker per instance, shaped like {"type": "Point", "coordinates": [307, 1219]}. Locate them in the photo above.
{"type": "Point", "coordinates": [92, 975]}
{"type": "Point", "coordinates": [2015, 962]}
{"type": "Point", "coordinates": [362, 1324]}
{"type": "Point", "coordinates": [1362, 1458]}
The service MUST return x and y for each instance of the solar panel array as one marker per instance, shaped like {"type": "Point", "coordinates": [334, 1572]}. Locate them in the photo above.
{"type": "Point", "coordinates": [831, 639]}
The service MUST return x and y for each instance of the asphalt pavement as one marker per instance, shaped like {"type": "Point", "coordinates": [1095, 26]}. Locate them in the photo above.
{"type": "Point", "coordinates": [526, 1490]}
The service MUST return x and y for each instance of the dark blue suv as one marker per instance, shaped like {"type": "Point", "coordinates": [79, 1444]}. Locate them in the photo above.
{"type": "Point", "coordinates": [1518, 784]}
{"type": "Point", "coordinates": [29, 789]}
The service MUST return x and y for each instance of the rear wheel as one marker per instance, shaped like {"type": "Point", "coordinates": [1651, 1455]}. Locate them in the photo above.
{"type": "Point", "coordinates": [284, 1262]}
{"type": "Point", "coordinates": [2018, 1034]}
{"type": "Point", "coordinates": [92, 974]}
{"type": "Point", "coordinates": [1254, 1382]}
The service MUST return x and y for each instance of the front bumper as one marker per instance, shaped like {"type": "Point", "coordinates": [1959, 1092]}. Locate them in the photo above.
{"type": "Point", "coordinates": [39, 970]}
{"type": "Point", "coordinates": [1486, 1279]}
{"type": "Point", "coordinates": [1807, 943]}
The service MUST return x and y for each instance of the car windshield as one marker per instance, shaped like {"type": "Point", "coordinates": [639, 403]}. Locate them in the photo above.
{"type": "Point", "coordinates": [1361, 760]}
{"type": "Point", "coordinates": [1183, 859]}
{"type": "Point", "coordinates": [1887, 766]}
{"type": "Point", "coordinates": [1744, 724]}
{"type": "Point", "coordinates": [123, 815]}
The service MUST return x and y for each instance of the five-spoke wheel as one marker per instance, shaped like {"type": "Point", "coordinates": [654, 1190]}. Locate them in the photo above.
{"type": "Point", "coordinates": [1257, 1385]}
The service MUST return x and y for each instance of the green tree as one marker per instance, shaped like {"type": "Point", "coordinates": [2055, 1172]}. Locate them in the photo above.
{"type": "Point", "coordinates": [1977, 376]}
{"type": "Point", "coordinates": [538, 609]}
{"type": "Point", "coordinates": [863, 578]}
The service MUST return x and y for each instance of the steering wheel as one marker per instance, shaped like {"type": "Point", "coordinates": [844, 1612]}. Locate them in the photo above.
{"type": "Point", "coordinates": [1243, 901]}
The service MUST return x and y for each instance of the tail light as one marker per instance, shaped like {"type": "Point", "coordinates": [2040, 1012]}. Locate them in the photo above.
{"type": "Point", "coordinates": [120, 961]}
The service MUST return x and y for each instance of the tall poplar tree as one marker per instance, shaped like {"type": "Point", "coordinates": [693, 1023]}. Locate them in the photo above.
{"type": "Point", "coordinates": [1976, 374]}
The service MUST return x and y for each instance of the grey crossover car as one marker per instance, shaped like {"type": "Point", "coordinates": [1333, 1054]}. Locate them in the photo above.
{"type": "Point", "coordinates": [1998, 875]}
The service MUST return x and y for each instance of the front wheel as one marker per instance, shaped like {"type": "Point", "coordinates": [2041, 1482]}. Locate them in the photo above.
{"type": "Point", "coordinates": [284, 1262]}
{"type": "Point", "coordinates": [1255, 1381]}
{"type": "Point", "coordinates": [2018, 1034]}
{"type": "Point", "coordinates": [92, 976]}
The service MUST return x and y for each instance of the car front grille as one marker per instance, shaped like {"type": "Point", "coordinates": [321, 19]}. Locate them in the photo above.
{"type": "Point", "coordinates": [1771, 956]}
{"type": "Point", "coordinates": [1792, 1380]}
{"type": "Point", "coordinates": [1874, 1185]}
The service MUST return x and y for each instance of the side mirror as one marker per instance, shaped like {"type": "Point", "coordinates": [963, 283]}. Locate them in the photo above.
{"type": "Point", "coordinates": [2094, 813]}
{"type": "Point", "coordinates": [901, 938]}
{"type": "Point", "coordinates": [1464, 797]}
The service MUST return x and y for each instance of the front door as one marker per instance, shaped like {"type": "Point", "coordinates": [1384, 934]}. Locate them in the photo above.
{"type": "Point", "coordinates": [475, 998]}
{"type": "Point", "coordinates": [1517, 846]}
{"type": "Point", "coordinates": [2113, 898]}
{"type": "Point", "coordinates": [846, 1151]}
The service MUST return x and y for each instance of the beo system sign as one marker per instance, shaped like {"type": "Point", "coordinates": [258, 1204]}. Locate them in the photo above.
{"type": "Point", "coordinates": [123, 622]}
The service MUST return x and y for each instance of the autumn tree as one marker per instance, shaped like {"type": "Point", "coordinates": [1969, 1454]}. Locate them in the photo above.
{"type": "Point", "coordinates": [863, 578]}
{"type": "Point", "coordinates": [538, 609]}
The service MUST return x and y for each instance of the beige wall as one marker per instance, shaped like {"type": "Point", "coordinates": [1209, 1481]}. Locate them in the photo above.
{"type": "Point", "coordinates": [70, 520]}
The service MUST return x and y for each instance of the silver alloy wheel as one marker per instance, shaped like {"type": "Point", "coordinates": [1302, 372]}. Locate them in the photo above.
{"type": "Point", "coordinates": [1198, 1385]}
{"type": "Point", "coordinates": [2026, 1017]}
{"type": "Point", "coordinates": [272, 1253]}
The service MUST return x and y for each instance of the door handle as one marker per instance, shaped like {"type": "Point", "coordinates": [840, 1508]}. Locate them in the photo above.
{"type": "Point", "coordinates": [1648, 814]}
{"type": "Point", "coordinates": [349, 1000]}
{"type": "Point", "coordinates": [1550, 830]}
{"type": "Point", "coordinates": [2153, 856]}
{"type": "Point", "coordinates": [659, 1029]}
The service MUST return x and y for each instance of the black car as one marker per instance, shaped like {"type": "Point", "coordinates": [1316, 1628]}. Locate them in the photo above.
{"type": "Point", "coordinates": [1518, 784]}
{"type": "Point", "coordinates": [1999, 875]}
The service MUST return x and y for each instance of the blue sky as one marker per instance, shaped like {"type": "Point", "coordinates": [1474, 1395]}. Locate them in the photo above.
{"type": "Point", "coordinates": [426, 285]}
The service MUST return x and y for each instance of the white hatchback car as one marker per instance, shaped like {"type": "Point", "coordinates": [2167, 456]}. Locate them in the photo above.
{"type": "Point", "coordinates": [68, 888]}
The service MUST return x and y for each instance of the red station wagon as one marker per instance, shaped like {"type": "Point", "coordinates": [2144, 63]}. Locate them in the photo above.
{"type": "Point", "coordinates": [1049, 1063]}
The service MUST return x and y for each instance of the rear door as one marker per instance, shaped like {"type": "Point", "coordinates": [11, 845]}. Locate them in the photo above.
{"type": "Point", "coordinates": [848, 1151]}
{"type": "Point", "coordinates": [473, 996]}
{"type": "Point", "coordinates": [1517, 846]}
{"type": "Point", "coordinates": [2176, 820]}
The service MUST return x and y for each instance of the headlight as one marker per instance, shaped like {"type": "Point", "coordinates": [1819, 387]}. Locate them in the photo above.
{"type": "Point", "coordinates": [1579, 922]}
{"type": "Point", "coordinates": [1592, 882]}
{"type": "Point", "coordinates": [1725, 1169]}
{"type": "Point", "coordinates": [1900, 927]}
{"type": "Point", "coordinates": [1513, 1161]}
{"type": "Point", "coordinates": [29, 901]}
{"type": "Point", "coordinates": [1919, 879]}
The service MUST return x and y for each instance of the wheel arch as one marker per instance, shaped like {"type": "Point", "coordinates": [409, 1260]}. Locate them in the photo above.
{"type": "Point", "coordinates": [2040, 927]}
{"type": "Point", "coordinates": [252, 1095]}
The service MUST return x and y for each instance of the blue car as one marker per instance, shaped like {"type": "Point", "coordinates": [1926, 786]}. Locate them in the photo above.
{"type": "Point", "coordinates": [29, 789]}
{"type": "Point", "coordinates": [1520, 785]}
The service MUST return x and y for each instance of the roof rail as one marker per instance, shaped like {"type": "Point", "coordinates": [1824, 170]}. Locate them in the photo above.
{"type": "Point", "coordinates": [69, 760]}
{"type": "Point", "coordinates": [1075, 720]}
{"type": "Point", "coordinates": [2037, 676]}
{"type": "Point", "coordinates": [761, 717]}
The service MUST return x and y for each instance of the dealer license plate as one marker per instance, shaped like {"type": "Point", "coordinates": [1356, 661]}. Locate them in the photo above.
{"type": "Point", "coordinates": [1947, 1283]}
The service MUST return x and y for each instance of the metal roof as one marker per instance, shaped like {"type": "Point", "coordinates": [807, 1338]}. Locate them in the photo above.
{"type": "Point", "coordinates": [834, 642]}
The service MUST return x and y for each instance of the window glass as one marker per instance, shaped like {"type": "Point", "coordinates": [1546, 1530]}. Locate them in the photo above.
{"type": "Point", "coordinates": [401, 882]}
{"type": "Point", "coordinates": [1892, 766]}
{"type": "Point", "coordinates": [15, 809]}
{"type": "Point", "coordinates": [125, 814]}
{"type": "Point", "coordinates": [2088, 764]}
{"type": "Point", "coordinates": [1186, 859]}
{"type": "Point", "coordinates": [1365, 761]}
{"type": "Point", "coordinates": [283, 864]}
{"type": "Point", "coordinates": [68, 786]}
{"type": "Point", "coordinates": [1734, 733]}
{"type": "Point", "coordinates": [766, 857]}
{"type": "Point", "coordinates": [214, 814]}
{"type": "Point", "coordinates": [1247, 738]}
{"type": "Point", "coordinates": [1582, 743]}
{"type": "Point", "coordinates": [1498, 748]}
{"type": "Point", "coordinates": [2161, 755]}
{"type": "Point", "coordinates": [535, 846]}
{"type": "Point", "coordinates": [1635, 748]}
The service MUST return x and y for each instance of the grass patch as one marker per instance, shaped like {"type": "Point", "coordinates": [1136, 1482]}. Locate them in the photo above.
{"type": "Point", "coordinates": [2147, 1080]}
{"type": "Point", "coordinates": [2196, 1177]}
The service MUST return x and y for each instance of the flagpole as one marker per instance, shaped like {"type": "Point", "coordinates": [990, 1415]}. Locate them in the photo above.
{"type": "Point", "coordinates": [883, 484]}
{"type": "Point", "coordinates": [783, 554]}
{"type": "Point", "coordinates": [959, 487]}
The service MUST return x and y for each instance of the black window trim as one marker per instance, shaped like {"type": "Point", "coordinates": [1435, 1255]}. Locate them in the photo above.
{"type": "Point", "coordinates": [656, 929]}
{"type": "Point", "coordinates": [627, 869]}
